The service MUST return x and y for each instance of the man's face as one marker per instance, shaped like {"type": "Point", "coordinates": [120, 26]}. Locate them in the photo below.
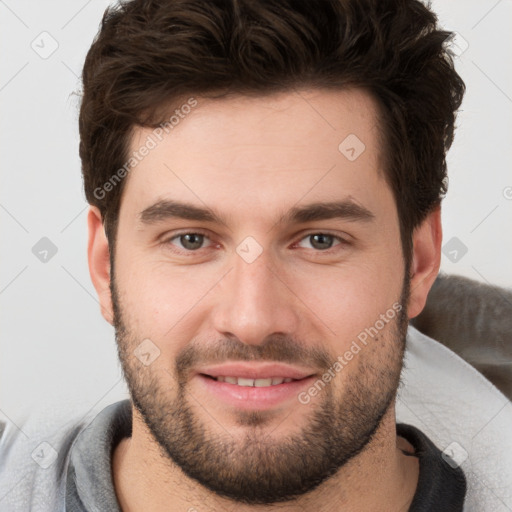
{"type": "Point", "coordinates": [264, 293]}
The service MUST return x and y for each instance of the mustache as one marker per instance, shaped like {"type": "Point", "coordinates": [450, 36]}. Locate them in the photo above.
{"type": "Point", "coordinates": [275, 348]}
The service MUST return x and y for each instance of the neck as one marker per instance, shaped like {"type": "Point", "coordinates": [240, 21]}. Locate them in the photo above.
{"type": "Point", "coordinates": [380, 477]}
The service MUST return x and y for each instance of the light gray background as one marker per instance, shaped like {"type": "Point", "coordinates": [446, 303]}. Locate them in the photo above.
{"type": "Point", "coordinates": [56, 349]}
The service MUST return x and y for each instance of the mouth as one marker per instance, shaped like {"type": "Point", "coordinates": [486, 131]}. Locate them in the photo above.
{"type": "Point", "coordinates": [254, 387]}
{"type": "Point", "coordinates": [257, 383]}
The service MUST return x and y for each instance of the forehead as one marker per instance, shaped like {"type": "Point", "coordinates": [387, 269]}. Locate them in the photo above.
{"type": "Point", "coordinates": [249, 153]}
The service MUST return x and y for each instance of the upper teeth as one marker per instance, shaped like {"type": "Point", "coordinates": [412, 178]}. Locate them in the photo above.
{"type": "Point", "coordinates": [259, 383]}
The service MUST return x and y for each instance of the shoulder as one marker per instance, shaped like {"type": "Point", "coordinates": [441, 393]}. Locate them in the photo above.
{"type": "Point", "coordinates": [463, 414]}
{"type": "Point", "coordinates": [34, 456]}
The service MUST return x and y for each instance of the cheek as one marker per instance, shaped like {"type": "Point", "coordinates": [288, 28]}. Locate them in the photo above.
{"type": "Point", "coordinates": [158, 298]}
{"type": "Point", "coordinates": [345, 301]}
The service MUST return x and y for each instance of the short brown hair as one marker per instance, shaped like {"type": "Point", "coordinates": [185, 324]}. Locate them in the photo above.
{"type": "Point", "coordinates": [149, 53]}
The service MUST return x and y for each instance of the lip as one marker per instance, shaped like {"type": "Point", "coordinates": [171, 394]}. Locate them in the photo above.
{"type": "Point", "coordinates": [248, 397]}
{"type": "Point", "coordinates": [255, 370]}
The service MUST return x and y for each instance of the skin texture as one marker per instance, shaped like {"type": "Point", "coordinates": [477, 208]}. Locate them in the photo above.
{"type": "Point", "coordinates": [250, 160]}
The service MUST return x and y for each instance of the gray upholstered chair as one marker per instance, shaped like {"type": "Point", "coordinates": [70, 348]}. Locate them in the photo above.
{"type": "Point", "coordinates": [475, 321]}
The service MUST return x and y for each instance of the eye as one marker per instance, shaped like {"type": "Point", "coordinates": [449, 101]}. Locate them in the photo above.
{"type": "Point", "coordinates": [188, 242]}
{"type": "Point", "coordinates": [322, 241]}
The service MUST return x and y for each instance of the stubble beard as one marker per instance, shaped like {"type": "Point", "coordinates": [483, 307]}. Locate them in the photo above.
{"type": "Point", "coordinates": [264, 466]}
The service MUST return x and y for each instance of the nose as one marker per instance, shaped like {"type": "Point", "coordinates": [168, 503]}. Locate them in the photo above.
{"type": "Point", "coordinates": [255, 301]}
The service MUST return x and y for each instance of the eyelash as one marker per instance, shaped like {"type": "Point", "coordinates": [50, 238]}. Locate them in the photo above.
{"type": "Point", "coordinates": [167, 242]}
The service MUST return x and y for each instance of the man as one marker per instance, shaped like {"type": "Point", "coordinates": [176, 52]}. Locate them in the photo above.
{"type": "Point", "coordinates": [265, 182]}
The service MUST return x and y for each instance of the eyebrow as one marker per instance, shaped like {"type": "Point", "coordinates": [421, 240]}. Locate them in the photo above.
{"type": "Point", "coordinates": [346, 209]}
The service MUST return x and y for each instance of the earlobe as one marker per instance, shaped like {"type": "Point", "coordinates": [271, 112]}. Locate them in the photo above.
{"type": "Point", "coordinates": [98, 255]}
{"type": "Point", "coordinates": [426, 260]}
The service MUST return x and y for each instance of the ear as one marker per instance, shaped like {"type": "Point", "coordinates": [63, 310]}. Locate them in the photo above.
{"type": "Point", "coordinates": [98, 255]}
{"type": "Point", "coordinates": [426, 260]}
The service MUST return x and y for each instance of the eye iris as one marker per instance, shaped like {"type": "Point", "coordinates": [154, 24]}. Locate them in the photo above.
{"type": "Point", "coordinates": [192, 241]}
{"type": "Point", "coordinates": [321, 241]}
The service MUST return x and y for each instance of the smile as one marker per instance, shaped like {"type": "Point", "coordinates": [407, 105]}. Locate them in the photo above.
{"type": "Point", "coordinates": [258, 383]}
